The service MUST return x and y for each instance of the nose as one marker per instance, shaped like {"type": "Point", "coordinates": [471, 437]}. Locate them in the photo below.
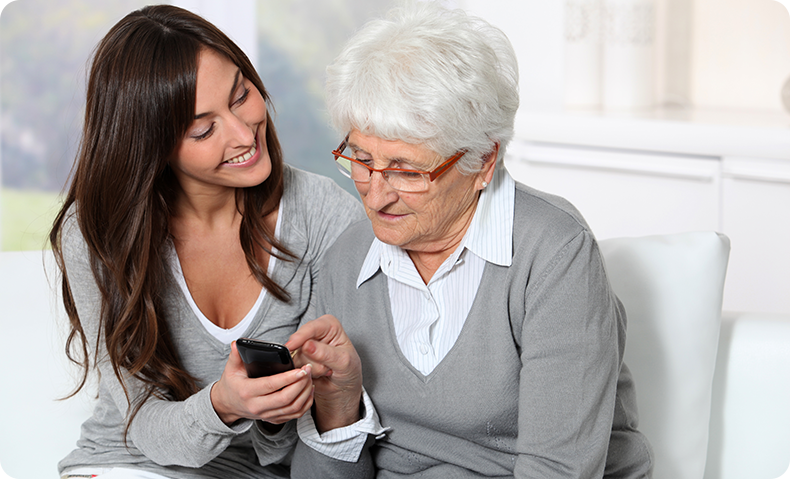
{"type": "Point", "coordinates": [241, 133]}
{"type": "Point", "coordinates": [379, 193]}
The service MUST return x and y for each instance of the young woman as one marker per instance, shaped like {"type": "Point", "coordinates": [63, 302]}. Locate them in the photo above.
{"type": "Point", "coordinates": [182, 231]}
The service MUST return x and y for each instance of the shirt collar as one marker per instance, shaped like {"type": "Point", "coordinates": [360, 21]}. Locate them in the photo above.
{"type": "Point", "coordinates": [490, 234]}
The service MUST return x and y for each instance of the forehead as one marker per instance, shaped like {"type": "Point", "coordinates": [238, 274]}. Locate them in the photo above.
{"type": "Point", "coordinates": [392, 150]}
{"type": "Point", "coordinates": [216, 75]}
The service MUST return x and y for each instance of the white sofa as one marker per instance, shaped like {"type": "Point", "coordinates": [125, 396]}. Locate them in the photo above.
{"type": "Point", "coordinates": [750, 414]}
{"type": "Point", "coordinates": [713, 392]}
{"type": "Point", "coordinates": [747, 413]}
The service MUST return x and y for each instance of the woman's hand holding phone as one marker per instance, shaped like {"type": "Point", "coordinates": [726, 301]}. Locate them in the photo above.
{"type": "Point", "coordinates": [274, 399]}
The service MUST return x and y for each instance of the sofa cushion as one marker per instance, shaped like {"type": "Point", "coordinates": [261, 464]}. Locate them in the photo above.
{"type": "Point", "coordinates": [671, 287]}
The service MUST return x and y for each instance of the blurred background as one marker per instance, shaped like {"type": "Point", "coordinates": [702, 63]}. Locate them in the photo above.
{"type": "Point", "coordinates": [651, 116]}
{"type": "Point", "coordinates": [45, 46]}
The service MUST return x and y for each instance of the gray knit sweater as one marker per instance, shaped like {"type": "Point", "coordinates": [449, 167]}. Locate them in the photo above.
{"type": "Point", "coordinates": [534, 386]}
{"type": "Point", "coordinates": [186, 439]}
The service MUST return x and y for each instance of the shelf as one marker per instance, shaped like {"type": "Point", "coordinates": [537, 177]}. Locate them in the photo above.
{"type": "Point", "coordinates": [707, 133]}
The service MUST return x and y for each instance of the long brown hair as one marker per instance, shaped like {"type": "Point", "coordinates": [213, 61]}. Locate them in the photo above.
{"type": "Point", "coordinates": [140, 103]}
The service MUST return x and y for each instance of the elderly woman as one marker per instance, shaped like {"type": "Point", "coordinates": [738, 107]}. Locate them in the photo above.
{"type": "Point", "coordinates": [484, 329]}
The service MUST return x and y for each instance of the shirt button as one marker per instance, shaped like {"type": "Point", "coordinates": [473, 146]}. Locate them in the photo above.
{"type": "Point", "coordinates": [423, 349]}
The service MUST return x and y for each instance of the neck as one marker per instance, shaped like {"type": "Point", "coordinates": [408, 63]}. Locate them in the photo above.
{"type": "Point", "coordinates": [215, 210]}
{"type": "Point", "coordinates": [427, 263]}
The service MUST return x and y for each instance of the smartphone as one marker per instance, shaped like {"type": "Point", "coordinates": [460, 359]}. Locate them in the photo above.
{"type": "Point", "coordinates": [263, 358]}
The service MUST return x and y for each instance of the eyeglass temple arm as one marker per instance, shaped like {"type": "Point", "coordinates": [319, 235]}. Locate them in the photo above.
{"type": "Point", "coordinates": [447, 164]}
{"type": "Point", "coordinates": [341, 146]}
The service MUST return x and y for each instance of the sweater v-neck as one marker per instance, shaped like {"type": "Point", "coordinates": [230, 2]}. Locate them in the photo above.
{"type": "Point", "coordinates": [460, 343]}
{"type": "Point", "coordinates": [252, 320]}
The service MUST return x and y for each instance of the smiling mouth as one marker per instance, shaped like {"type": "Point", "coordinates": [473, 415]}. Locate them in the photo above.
{"type": "Point", "coordinates": [245, 156]}
{"type": "Point", "coordinates": [384, 214]}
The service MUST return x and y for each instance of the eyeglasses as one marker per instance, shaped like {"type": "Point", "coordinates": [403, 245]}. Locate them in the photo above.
{"type": "Point", "coordinates": [409, 181]}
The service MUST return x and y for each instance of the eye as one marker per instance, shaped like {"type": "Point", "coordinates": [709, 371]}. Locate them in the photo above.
{"type": "Point", "coordinates": [361, 157]}
{"type": "Point", "coordinates": [403, 165]}
{"type": "Point", "coordinates": [242, 98]}
{"type": "Point", "coordinates": [205, 134]}
{"type": "Point", "coordinates": [407, 175]}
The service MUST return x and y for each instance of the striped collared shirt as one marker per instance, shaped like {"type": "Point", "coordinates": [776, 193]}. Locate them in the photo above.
{"type": "Point", "coordinates": [428, 318]}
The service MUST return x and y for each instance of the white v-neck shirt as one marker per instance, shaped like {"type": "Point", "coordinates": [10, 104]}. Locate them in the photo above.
{"type": "Point", "coordinates": [226, 336]}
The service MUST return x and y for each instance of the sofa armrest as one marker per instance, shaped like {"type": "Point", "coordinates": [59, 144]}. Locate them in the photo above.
{"type": "Point", "coordinates": [36, 430]}
{"type": "Point", "coordinates": [750, 414]}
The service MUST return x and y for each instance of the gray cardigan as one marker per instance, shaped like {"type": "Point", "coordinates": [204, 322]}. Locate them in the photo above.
{"type": "Point", "coordinates": [534, 386]}
{"type": "Point", "coordinates": [186, 439]}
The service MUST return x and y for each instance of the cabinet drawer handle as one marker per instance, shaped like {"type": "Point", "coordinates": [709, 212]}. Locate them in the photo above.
{"type": "Point", "coordinates": [770, 177]}
{"type": "Point", "coordinates": [692, 173]}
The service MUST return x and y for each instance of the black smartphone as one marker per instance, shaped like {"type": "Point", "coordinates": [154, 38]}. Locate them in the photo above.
{"type": "Point", "coordinates": [263, 358]}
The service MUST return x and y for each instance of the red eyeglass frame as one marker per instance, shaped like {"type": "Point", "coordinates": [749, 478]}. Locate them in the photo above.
{"type": "Point", "coordinates": [432, 175]}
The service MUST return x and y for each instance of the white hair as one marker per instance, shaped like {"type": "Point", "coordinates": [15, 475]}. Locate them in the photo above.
{"type": "Point", "coordinates": [431, 76]}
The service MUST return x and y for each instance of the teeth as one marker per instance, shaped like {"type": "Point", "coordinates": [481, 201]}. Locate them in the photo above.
{"type": "Point", "coordinates": [244, 157]}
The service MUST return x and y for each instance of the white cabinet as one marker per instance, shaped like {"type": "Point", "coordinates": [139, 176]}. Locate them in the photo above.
{"type": "Point", "coordinates": [623, 192]}
{"type": "Point", "coordinates": [756, 217]}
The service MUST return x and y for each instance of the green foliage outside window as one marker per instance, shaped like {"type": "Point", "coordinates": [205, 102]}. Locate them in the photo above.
{"type": "Point", "coordinates": [44, 55]}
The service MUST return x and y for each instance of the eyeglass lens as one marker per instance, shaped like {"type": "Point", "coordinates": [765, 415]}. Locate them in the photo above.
{"type": "Point", "coordinates": [399, 180]}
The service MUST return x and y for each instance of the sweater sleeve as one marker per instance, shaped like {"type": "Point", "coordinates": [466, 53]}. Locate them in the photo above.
{"type": "Point", "coordinates": [326, 211]}
{"type": "Point", "coordinates": [329, 211]}
{"type": "Point", "coordinates": [571, 348]}
{"type": "Point", "coordinates": [309, 463]}
{"type": "Point", "coordinates": [273, 448]}
{"type": "Point", "coordinates": [333, 461]}
{"type": "Point", "coordinates": [186, 433]}
{"type": "Point", "coordinates": [320, 211]}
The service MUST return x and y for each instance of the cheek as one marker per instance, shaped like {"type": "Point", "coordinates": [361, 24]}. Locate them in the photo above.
{"type": "Point", "coordinates": [446, 209]}
{"type": "Point", "coordinates": [435, 213]}
{"type": "Point", "coordinates": [426, 212]}
{"type": "Point", "coordinates": [257, 108]}
{"type": "Point", "coordinates": [186, 156]}
{"type": "Point", "coordinates": [176, 160]}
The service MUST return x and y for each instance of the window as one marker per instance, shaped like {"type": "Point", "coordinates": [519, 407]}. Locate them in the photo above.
{"type": "Point", "coordinates": [46, 45]}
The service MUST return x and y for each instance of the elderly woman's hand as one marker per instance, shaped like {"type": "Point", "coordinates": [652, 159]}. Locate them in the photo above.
{"type": "Point", "coordinates": [337, 371]}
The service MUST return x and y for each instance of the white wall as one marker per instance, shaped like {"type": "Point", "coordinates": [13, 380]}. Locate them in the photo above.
{"type": "Point", "coordinates": [740, 53]}
{"type": "Point", "coordinates": [709, 53]}
{"type": "Point", "coordinates": [239, 22]}
{"type": "Point", "coordinates": [535, 28]}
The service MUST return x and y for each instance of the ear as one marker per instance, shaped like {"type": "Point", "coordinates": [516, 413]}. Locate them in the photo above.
{"type": "Point", "coordinates": [489, 165]}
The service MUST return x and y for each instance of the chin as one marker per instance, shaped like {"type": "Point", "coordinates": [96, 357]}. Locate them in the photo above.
{"type": "Point", "coordinates": [389, 236]}
{"type": "Point", "coordinates": [262, 172]}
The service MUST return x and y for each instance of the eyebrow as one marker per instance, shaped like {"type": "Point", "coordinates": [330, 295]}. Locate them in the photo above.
{"type": "Point", "coordinates": [230, 96]}
{"type": "Point", "coordinates": [396, 159]}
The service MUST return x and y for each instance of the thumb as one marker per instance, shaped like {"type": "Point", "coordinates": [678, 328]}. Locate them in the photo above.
{"type": "Point", "coordinates": [234, 360]}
